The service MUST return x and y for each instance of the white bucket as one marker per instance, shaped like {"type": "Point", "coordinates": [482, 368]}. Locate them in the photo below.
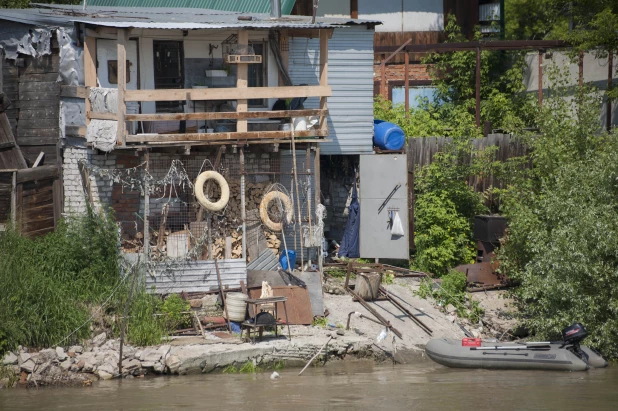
{"type": "Point", "coordinates": [300, 123]}
{"type": "Point", "coordinates": [236, 306]}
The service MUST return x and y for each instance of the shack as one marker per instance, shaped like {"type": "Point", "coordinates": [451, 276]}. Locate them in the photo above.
{"type": "Point", "coordinates": [131, 105]}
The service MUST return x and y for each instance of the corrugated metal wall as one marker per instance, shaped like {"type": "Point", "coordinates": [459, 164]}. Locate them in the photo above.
{"type": "Point", "coordinates": [197, 276]}
{"type": "Point", "coordinates": [350, 74]}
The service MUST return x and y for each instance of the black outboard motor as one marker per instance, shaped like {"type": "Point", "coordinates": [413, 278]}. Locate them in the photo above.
{"type": "Point", "coordinates": [572, 336]}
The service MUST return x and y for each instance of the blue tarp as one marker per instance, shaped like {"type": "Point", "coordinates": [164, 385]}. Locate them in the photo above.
{"type": "Point", "coordinates": [349, 244]}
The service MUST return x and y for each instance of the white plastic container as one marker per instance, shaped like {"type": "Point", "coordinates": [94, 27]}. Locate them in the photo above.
{"type": "Point", "coordinates": [236, 306]}
{"type": "Point", "coordinates": [300, 123]}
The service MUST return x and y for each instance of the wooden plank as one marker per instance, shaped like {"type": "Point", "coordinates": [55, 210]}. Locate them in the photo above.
{"type": "Point", "coordinates": [49, 87]}
{"type": "Point", "coordinates": [228, 93]}
{"type": "Point", "coordinates": [39, 113]}
{"type": "Point", "coordinates": [74, 91]}
{"type": "Point", "coordinates": [37, 213]}
{"type": "Point", "coordinates": [28, 227]}
{"type": "Point", "coordinates": [39, 160]}
{"type": "Point", "coordinates": [144, 138]}
{"type": "Point", "coordinates": [90, 69]}
{"type": "Point", "coordinates": [323, 75]}
{"type": "Point", "coordinates": [37, 96]}
{"type": "Point", "coordinates": [122, 86]}
{"type": "Point", "coordinates": [45, 135]}
{"type": "Point", "coordinates": [37, 104]}
{"type": "Point", "coordinates": [11, 157]}
{"type": "Point", "coordinates": [102, 116]}
{"type": "Point", "coordinates": [31, 78]}
{"type": "Point", "coordinates": [41, 65]}
{"type": "Point", "coordinates": [214, 116]}
{"type": "Point", "coordinates": [39, 173]}
{"type": "Point", "coordinates": [242, 73]}
{"type": "Point", "coordinates": [34, 124]}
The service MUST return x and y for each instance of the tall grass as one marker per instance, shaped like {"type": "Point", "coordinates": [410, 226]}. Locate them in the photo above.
{"type": "Point", "coordinates": [49, 285]}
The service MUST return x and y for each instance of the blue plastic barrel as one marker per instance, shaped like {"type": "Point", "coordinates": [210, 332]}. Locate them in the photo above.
{"type": "Point", "coordinates": [388, 136]}
{"type": "Point", "coordinates": [283, 259]}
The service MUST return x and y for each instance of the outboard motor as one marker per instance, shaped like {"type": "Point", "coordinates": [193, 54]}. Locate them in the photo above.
{"type": "Point", "coordinates": [572, 336]}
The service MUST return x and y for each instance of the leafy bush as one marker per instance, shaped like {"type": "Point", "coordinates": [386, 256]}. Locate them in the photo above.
{"type": "Point", "coordinates": [452, 290]}
{"type": "Point", "coordinates": [562, 243]}
{"type": "Point", "coordinates": [174, 308]}
{"type": "Point", "coordinates": [445, 208]}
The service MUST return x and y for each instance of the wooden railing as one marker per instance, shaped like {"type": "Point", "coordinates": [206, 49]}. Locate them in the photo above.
{"type": "Point", "coordinates": [241, 94]}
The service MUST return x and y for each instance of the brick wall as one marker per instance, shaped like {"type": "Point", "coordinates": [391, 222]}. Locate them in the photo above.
{"type": "Point", "coordinates": [74, 198]}
{"type": "Point", "coordinates": [397, 72]}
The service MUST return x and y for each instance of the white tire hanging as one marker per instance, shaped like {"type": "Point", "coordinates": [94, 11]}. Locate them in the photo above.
{"type": "Point", "coordinates": [287, 207]}
{"type": "Point", "coordinates": [199, 191]}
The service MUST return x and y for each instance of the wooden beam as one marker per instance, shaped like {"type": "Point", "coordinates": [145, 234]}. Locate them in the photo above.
{"type": "Point", "coordinates": [252, 135]}
{"type": "Point", "coordinates": [13, 195]}
{"type": "Point", "coordinates": [242, 76]}
{"type": "Point", "coordinates": [354, 9]}
{"type": "Point", "coordinates": [540, 91]}
{"type": "Point", "coordinates": [85, 175]}
{"type": "Point", "coordinates": [407, 83]}
{"type": "Point", "coordinates": [478, 88]}
{"type": "Point", "coordinates": [122, 86]}
{"type": "Point", "coordinates": [74, 91]}
{"type": "Point", "coordinates": [184, 144]}
{"type": "Point", "coordinates": [39, 173]}
{"type": "Point", "coordinates": [39, 159]}
{"type": "Point", "coordinates": [227, 93]}
{"type": "Point", "coordinates": [323, 75]}
{"type": "Point", "coordinates": [103, 116]}
{"type": "Point", "coordinates": [216, 115]}
{"type": "Point", "coordinates": [90, 69]}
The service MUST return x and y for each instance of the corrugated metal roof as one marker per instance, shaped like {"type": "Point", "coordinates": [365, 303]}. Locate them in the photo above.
{"type": "Point", "coordinates": [243, 6]}
{"type": "Point", "coordinates": [164, 18]}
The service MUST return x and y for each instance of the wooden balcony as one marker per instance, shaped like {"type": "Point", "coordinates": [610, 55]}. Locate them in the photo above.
{"type": "Point", "coordinates": [241, 94]}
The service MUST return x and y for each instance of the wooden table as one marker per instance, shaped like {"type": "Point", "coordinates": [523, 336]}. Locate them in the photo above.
{"type": "Point", "coordinates": [249, 326]}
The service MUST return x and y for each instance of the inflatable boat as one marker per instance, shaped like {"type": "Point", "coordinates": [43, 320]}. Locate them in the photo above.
{"type": "Point", "coordinates": [567, 355]}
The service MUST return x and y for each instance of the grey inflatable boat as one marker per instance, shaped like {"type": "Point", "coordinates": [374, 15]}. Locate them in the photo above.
{"type": "Point", "coordinates": [533, 356]}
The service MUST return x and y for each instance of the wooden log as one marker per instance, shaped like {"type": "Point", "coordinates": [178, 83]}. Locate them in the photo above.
{"type": "Point", "coordinates": [368, 286]}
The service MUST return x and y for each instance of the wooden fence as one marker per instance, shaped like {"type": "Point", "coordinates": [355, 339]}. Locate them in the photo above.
{"type": "Point", "coordinates": [30, 199]}
{"type": "Point", "coordinates": [421, 152]}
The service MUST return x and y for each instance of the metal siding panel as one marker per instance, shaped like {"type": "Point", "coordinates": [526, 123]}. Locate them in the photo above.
{"type": "Point", "coordinates": [350, 74]}
{"type": "Point", "coordinates": [244, 6]}
{"type": "Point", "coordinates": [197, 276]}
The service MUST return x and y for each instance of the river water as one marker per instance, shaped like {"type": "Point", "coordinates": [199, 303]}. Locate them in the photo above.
{"type": "Point", "coordinates": [349, 385]}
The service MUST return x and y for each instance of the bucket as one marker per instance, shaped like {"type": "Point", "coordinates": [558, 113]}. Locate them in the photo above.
{"type": "Point", "coordinates": [388, 136]}
{"type": "Point", "coordinates": [283, 260]}
{"type": "Point", "coordinates": [236, 306]}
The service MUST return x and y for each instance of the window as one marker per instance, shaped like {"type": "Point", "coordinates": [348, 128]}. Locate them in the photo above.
{"type": "Point", "coordinates": [112, 71]}
{"type": "Point", "coordinates": [257, 74]}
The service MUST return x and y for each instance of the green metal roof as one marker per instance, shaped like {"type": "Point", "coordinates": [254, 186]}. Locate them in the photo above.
{"type": "Point", "coordinates": [242, 6]}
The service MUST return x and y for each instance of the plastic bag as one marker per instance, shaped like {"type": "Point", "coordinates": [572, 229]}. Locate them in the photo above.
{"type": "Point", "coordinates": [382, 335]}
{"type": "Point", "coordinates": [397, 228]}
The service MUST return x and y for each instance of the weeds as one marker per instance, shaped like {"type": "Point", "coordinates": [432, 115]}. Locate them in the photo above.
{"type": "Point", "coordinates": [49, 285]}
{"type": "Point", "coordinates": [248, 368]}
{"type": "Point", "coordinates": [230, 369]}
{"type": "Point", "coordinates": [319, 322]}
{"type": "Point", "coordinates": [7, 372]}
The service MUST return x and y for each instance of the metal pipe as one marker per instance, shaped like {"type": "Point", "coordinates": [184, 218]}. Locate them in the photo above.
{"type": "Point", "coordinates": [610, 75]}
{"type": "Point", "coordinates": [275, 9]}
{"type": "Point", "coordinates": [541, 77]}
{"type": "Point", "coordinates": [360, 315]}
{"type": "Point", "coordinates": [478, 88]}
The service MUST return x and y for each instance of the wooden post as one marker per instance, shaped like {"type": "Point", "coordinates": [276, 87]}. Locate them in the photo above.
{"type": "Point", "coordinates": [478, 87]}
{"type": "Point", "coordinates": [316, 173]}
{"type": "Point", "coordinates": [122, 86]}
{"type": "Point", "coordinates": [146, 209]}
{"type": "Point", "coordinates": [13, 196]}
{"type": "Point", "coordinates": [541, 77]}
{"type": "Point", "coordinates": [407, 83]}
{"type": "Point", "coordinates": [354, 9]}
{"type": "Point", "coordinates": [383, 88]}
{"type": "Point", "coordinates": [243, 204]}
{"type": "Point", "coordinates": [228, 248]}
{"type": "Point", "coordinates": [323, 75]}
{"type": "Point", "coordinates": [581, 67]}
{"type": "Point", "coordinates": [610, 85]}
{"type": "Point", "coordinates": [285, 54]}
{"type": "Point", "coordinates": [90, 69]}
{"type": "Point", "coordinates": [241, 81]}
